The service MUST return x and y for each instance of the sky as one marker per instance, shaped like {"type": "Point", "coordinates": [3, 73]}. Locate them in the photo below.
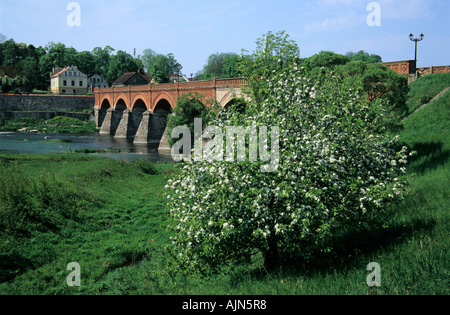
{"type": "Point", "coordinates": [194, 29]}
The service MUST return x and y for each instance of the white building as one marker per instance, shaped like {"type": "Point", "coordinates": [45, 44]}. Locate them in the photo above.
{"type": "Point", "coordinates": [68, 80]}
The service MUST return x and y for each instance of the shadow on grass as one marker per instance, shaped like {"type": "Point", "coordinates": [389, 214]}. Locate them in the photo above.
{"type": "Point", "coordinates": [349, 248]}
{"type": "Point", "coordinates": [429, 157]}
{"type": "Point", "coordinates": [12, 265]}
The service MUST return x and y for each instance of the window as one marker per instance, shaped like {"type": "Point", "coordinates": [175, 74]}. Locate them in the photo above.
{"type": "Point", "coordinates": [81, 83]}
{"type": "Point", "coordinates": [70, 74]}
{"type": "Point", "coordinates": [65, 83]}
{"type": "Point", "coordinates": [64, 91]}
{"type": "Point", "coordinates": [73, 83]}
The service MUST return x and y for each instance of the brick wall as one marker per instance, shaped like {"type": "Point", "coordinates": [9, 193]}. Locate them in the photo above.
{"type": "Point", "coordinates": [408, 68]}
{"type": "Point", "coordinates": [432, 70]}
{"type": "Point", "coordinates": [404, 67]}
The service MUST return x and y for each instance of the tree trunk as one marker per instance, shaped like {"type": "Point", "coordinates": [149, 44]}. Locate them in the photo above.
{"type": "Point", "coordinates": [271, 259]}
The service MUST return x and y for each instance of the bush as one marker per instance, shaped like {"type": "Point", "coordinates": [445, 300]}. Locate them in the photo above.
{"type": "Point", "coordinates": [146, 167]}
{"type": "Point", "coordinates": [190, 106]}
{"type": "Point", "coordinates": [326, 59]}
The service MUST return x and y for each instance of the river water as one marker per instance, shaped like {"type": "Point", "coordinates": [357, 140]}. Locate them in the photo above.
{"type": "Point", "coordinates": [22, 142]}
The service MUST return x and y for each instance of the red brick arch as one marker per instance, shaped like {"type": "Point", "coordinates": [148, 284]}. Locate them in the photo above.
{"type": "Point", "coordinates": [164, 96]}
{"type": "Point", "coordinates": [124, 97]}
{"type": "Point", "coordinates": [141, 97]}
{"type": "Point", "coordinates": [105, 98]}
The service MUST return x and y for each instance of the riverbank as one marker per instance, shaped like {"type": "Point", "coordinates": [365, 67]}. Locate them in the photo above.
{"type": "Point", "coordinates": [46, 115]}
{"type": "Point", "coordinates": [58, 124]}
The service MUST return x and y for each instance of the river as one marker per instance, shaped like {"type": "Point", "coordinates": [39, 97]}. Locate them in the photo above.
{"type": "Point", "coordinates": [22, 142]}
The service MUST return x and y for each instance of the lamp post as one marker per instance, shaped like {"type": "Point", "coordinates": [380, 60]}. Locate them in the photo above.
{"type": "Point", "coordinates": [416, 40]}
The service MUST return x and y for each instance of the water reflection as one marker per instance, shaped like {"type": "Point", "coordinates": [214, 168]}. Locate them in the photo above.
{"type": "Point", "coordinates": [19, 142]}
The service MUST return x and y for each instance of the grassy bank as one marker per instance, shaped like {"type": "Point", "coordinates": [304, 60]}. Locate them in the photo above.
{"type": "Point", "coordinates": [110, 217]}
{"type": "Point", "coordinates": [57, 124]}
{"type": "Point", "coordinates": [425, 88]}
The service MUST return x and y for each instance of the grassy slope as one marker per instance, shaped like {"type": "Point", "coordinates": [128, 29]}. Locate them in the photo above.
{"type": "Point", "coordinates": [425, 88]}
{"type": "Point", "coordinates": [119, 245]}
{"type": "Point", "coordinates": [123, 229]}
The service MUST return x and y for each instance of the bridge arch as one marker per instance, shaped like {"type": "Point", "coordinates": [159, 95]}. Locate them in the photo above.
{"type": "Point", "coordinates": [104, 106]}
{"type": "Point", "coordinates": [138, 110]}
{"type": "Point", "coordinates": [123, 100]}
{"type": "Point", "coordinates": [228, 99]}
{"type": "Point", "coordinates": [163, 108]}
{"type": "Point", "coordinates": [117, 114]}
{"type": "Point", "coordinates": [161, 99]}
{"type": "Point", "coordinates": [120, 105]}
{"type": "Point", "coordinates": [142, 98]}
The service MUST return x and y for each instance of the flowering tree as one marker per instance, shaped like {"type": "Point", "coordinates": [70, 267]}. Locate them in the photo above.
{"type": "Point", "coordinates": [335, 169]}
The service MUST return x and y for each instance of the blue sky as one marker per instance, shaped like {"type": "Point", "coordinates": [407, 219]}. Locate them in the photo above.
{"type": "Point", "coordinates": [194, 29]}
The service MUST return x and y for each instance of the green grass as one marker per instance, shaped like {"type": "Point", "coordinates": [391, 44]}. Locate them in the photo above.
{"type": "Point", "coordinates": [119, 236]}
{"type": "Point", "coordinates": [425, 88]}
{"type": "Point", "coordinates": [57, 124]}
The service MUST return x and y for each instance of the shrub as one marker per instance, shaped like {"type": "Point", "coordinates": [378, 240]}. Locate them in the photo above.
{"type": "Point", "coordinates": [326, 59]}
{"type": "Point", "coordinates": [146, 167]}
{"type": "Point", "coordinates": [190, 106]}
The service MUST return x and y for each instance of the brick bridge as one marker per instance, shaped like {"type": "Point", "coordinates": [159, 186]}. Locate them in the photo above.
{"type": "Point", "coordinates": [140, 112]}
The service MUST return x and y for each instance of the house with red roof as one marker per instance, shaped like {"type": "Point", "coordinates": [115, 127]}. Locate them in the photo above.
{"type": "Point", "coordinates": [69, 80]}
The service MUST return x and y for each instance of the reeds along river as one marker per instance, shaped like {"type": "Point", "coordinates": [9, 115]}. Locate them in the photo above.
{"type": "Point", "coordinates": [122, 149]}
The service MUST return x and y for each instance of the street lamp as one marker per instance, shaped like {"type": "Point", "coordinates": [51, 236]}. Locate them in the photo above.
{"type": "Point", "coordinates": [416, 40]}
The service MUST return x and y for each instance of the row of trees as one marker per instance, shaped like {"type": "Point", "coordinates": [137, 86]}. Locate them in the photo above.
{"type": "Point", "coordinates": [226, 65]}
{"type": "Point", "coordinates": [34, 64]}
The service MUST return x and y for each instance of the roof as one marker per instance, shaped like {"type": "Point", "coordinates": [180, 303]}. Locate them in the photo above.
{"type": "Point", "coordinates": [128, 75]}
{"type": "Point", "coordinates": [59, 72]}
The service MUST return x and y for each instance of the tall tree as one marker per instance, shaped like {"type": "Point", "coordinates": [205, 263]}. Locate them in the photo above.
{"type": "Point", "coordinates": [274, 52]}
{"type": "Point", "coordinates": [58, 55]}
{"type": "Point", "coordinates": [220, 65]}
{"type": "Point", "coordinates": [329, 169]}
{"type": "Point", "coordinates": [85, 61]}
{"type": "Point", "coordinates": [326, 59]}
{"type": "Point", "coordinates": [11, 54]}
{"type": "Point", "coordinates": [121, 63]}
{"type": "Point", "coordinates": [364, 57]}
{"type": "Point", "coordinates": [30, 73]}
{"type": "Point", "coordinates": [160, 66]}
{"type": "Point", "coordinates": [101, 60]}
